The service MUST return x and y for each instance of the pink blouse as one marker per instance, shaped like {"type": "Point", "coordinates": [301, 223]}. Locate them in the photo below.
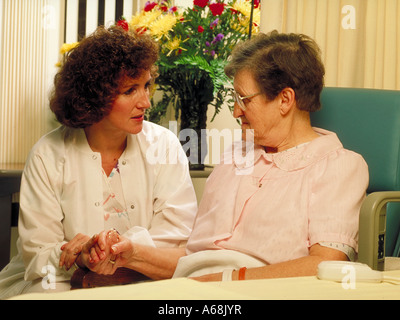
{"type": "Point", "coordinates": [287, 202]}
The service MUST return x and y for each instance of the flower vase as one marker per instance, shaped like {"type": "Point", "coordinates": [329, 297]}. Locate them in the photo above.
{"type": "Point", "coordinates": [193, 139]}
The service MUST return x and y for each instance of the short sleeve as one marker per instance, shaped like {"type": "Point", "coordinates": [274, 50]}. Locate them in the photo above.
{"type": "Point", "coordinates": [339, 186]}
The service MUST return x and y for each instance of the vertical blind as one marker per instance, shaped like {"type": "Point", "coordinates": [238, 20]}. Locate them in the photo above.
{"type": "Point", "coordinates": [359, 39]}
{"type": "Point", "coordinates": [83, 16]}
{"type": "Point", "coordinates": [23, 85]}
{"type": "Point", "coordinates": [31, 36]}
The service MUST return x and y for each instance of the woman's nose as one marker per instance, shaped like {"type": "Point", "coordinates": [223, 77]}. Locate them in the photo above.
{"type": "Point", "coordinates": [237, 111]}
{"type": "Point", "coordinates": [144, 101]}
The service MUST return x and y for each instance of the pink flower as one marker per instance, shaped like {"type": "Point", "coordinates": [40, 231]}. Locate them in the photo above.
{"type": "Point", "coordinates": [217, 8]}
{"type": "Point", "coordinates": [200, 3]}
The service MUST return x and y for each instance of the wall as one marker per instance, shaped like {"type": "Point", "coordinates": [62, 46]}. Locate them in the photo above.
{"type": "Point", "coordinates": [359, 39]}
{"type": "Point", "coordinates": [27, 65]}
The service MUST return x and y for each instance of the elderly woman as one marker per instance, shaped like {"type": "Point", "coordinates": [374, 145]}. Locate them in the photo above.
{"type": "Point", "coordinates": [299, 203]}
{"type": "Point", "coordinates": [97, 174]}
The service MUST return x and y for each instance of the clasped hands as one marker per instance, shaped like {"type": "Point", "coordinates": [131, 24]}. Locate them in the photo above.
{"type": "Point", "coordinates": [102, 253]}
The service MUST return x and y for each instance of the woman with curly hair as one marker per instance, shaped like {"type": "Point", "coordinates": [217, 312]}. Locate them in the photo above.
{"type": "Point", "coordinates": [95, 174]}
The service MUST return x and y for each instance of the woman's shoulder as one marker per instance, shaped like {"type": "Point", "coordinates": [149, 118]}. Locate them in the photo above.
{"type": "Point", "coordinates": [331, 144]}
{"type": "Point", "coordinates": [51, 137]}
{"type": "Point", "coordinates": [151, 127]}
{"type": "Point", "coordinates": [153, 132]}
{"type": "Point", "coordinates": [333, 156]}
{"type": "Point", "coordinates": [158, 144]}
{"type": "Point", "coordinates": [54, 142]}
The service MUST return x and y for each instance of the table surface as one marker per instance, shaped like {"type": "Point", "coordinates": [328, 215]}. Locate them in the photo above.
{"type": "Point", "coordinates": [272, 289]}
{"type": "Point", "coordinates": [11, 169]}
{"type": "Point", "coordinates": [10, 178]}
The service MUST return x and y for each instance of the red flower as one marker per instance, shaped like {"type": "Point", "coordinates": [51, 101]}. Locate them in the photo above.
{"type": "Point", "coordinates": [200, 3]}
{"type": "Point", "coordinates": [256, 3]}
{"type": "Point", "coordinates": [123, 24]}
{"type": "Point", "coordinates": [217, 8]}
{"type": "Point", "coordinates": [164, 8]}
{"type": "Point", "coordinates": [200, 29]}
{"type": "Point", "coordinates": [149, 6]}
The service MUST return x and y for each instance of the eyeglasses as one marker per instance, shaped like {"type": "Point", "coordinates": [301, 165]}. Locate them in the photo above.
{"type": "Point", "coordinates": [239, 99]}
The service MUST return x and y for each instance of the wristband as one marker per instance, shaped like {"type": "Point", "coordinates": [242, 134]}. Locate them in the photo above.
{"type": "Point", "coordinates": [242, 273]}
{"type": "Point", "coordinates": [227, 275]}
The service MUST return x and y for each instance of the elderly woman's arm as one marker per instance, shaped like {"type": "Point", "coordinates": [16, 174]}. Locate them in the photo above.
{"type": "Point", "coordinates": [305, 266]}
{"type": "Point", "coordinates": [155, 263]}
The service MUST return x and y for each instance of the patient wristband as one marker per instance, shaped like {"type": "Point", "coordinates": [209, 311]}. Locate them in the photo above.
{"type": "Point", "coordinates": [227, 275]}
{"type": "Point", "coordinates": [242, 273]}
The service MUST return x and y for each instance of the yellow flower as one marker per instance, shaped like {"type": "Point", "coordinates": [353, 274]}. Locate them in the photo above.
{"type": "Point", "coordinates": [244, 7]}
{"type": "Point", "coordinates": [174, 44]}
{"type": "Point", "coordinates": [66, 47]}
{"type": "Point", "coordinates": [244, 26]}
{"type": "Point", "coordinates": [155, 22]}
{"type": "Point", "coordinates": [163, 25]}
{"type": "Point", "coordinates": [145, 19]}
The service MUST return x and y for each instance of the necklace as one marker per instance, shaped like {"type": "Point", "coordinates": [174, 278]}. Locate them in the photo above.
{"type": "Point", "coordinates": [109, 165]}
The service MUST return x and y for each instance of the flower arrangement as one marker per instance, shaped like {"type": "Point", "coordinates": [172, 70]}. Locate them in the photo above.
{"type": "Point", "coordinates": [195, 44]}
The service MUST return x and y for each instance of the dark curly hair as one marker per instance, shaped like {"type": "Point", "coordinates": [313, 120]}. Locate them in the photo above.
{"type": "Point", "coordinates": [279, 60]}
{"type": "Point", "coordinates": [87, 83]}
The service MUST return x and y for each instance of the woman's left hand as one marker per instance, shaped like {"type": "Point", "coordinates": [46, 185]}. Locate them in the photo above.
{"type": "Point", "coordinates": [71, 250]}
{"type": "Point", "coordinates": [124, 251]}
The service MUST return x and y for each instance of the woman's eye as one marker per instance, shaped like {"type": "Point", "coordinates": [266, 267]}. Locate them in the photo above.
{"type": "Point", "coordinates": [147, 86]}
{"type": "Point", "coordinates": [130, 91]}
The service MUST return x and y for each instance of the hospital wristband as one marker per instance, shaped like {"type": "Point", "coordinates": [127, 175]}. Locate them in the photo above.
{"type": "Point", "coordinates": [227, 275]}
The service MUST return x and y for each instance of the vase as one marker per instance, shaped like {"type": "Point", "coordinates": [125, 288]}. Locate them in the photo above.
{"type": "Point", "coordinates": [192, 136]}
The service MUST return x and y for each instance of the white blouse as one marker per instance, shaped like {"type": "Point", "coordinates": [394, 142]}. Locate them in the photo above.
{"type": "Point", "coordinates": [115, 212]}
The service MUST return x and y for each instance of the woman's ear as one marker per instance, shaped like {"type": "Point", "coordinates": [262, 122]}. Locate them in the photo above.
{"type": "Point", "coordinates": [288, 100]}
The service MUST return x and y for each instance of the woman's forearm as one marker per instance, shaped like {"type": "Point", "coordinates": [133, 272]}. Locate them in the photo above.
{"type": "Point", "coordinates": [305, 266]}
{"type": "Point", "coordinates": [155, 263]}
